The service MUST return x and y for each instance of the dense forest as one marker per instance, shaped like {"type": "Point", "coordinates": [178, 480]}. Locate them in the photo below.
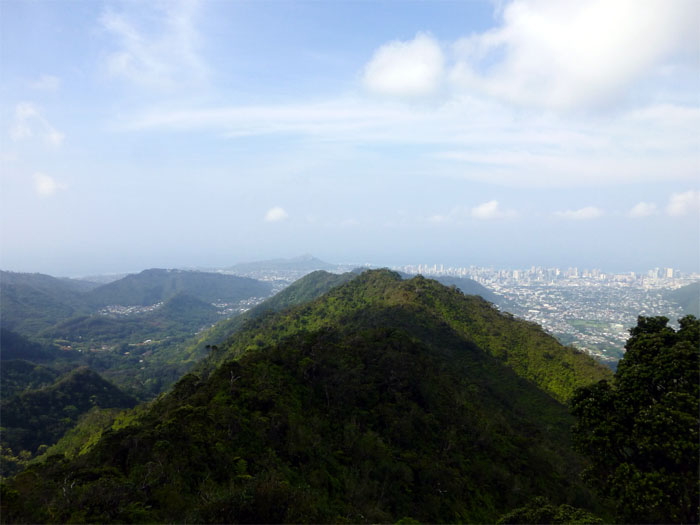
{"type": "Point", "coordinates": [365, 398]}
{"type": "Point", "coordinates": [380, 400]}
{"type": "Point", "coordinates": [144, 370]}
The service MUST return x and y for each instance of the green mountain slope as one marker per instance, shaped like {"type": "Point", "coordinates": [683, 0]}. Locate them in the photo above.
{"type": "Point", "coordinates": [688, 297]}
{"type": "Point", "coordinates": [180, 315]}
{"type": "Point", "coordinates": [32, 302]}
{"type": "Point", "coordinates": [523, 346]}
{"type": "Point", "coordinates": [18, 375]}
{"type": "Point", "coordinates": [469, 287]}
{"type": "Point", "coordinates": [380, 400]}
{"type": "Point", "coordinates": [307, 288]}
{"type": "Point", "coordinates": [16, 346]}
{"type": "Point", "coordinates": [156, 285]}
{"type": "Point", "coordinates": [55, 286]}
{"type": "Point", "coordinates": [41, 416]}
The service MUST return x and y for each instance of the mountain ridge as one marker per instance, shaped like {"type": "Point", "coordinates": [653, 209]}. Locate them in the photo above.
{"type": "Point", "coordinates": [369, 404]}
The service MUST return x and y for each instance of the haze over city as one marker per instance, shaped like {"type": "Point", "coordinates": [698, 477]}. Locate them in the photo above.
{"type": "Point", "coordinates": [183, 134]}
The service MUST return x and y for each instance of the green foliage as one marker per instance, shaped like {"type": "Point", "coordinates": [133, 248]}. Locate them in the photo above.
{"type": "Point", "coordinates": [641, 431]}
{"type": "Point", "coordinates": [84, 435]}
{"type": "Point", "coordinates": [370, 404]}
{"type": "Point", "coordinates": [40, 417]}
{"type": "Point", "coordinates": [18, 375]}
{"type": "Point", "coordinates": [62, 313]}
{"type": "Point", "coordinates": [32, 302]}
{"type": "Point", "coordinates": [542, 512]}
{"type": "Point", "coordinates": [15, 346]}
{"type": "Point", "coordinates": [308, 288]}
{"type": "Point", "coordinates": [523, 346]}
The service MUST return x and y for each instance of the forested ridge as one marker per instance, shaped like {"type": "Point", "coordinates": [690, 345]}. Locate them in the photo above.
{"type": "Point", "coordinates": [385, 400]}
{"type": "Point", "coordinates": [382, 399]}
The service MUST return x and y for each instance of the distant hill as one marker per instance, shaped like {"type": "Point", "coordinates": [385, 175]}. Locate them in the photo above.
{"type": "Point", "coordinates": [156, 285]}
{"type": "Point", "coordinates": [687, 297]}
{"type": "Point", "coordinates": [81, 285]}
{"type": "Point", "coordinates": [382, 399]}
{"type": "Point", "coordinates": [179, 315]}
{"type": "Point", "coordinates": [41, 313]}
{"type": "Point", "coordinates": [466, 286]}
{"type": "Point", "coordinates": [186, 309]}
{"type": "Point", "coordinates": [304, 263]}
{"type": "Point", "coordinates": [41, 416]}
{"type": "Point", "coordinates": [103, 279]}
{"type": "Point", "coordinates": [46, 283]}
{"type": "Point", "coordinates": [31, 302]}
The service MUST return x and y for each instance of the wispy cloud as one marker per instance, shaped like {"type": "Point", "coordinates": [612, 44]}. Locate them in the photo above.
{"type": "Point", "coordinates": [29, 123]}
{"type": "Point", "coordinates": [684, 203]}
{"type": "Point", "coordinates": [163, 56]}
{"type": "Point", "coordinates": [45, 186]}
{"type": "Point", "coordinates": [407, 68]}
{"type": "Point", "coordinates": [46, 83]}
{"type": "Point", "coordinates": [491, 210]}
{"type": "Point", "coordinates": [276, 214]}
{"type": "Point", "coordinates": [485, 211]}
{"type": "Point", "coordinates": [641, 210]}
{"type": "Point", "coordinates": [480, 125]}
{"type": "Point", "coordinates": [582, 214]}
{"type": "Point", "coordinates": [471, 138]}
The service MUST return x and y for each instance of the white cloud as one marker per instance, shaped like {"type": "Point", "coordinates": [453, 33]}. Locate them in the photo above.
{"type": "Point", "coordinates": [472, 138]}
{"type": "Point", "coordinates": [587, 213]}
{"type": "Point", "coordinates": [683, 203]}
{"type": "Point", "coordinates": [45, 186]}
{"type": "Point", "coordinates": [276, 214]}
{"type": "Point", "coordinates": [569, 53]}
{"type": "Point", "coordinates": [491, 210]}
{"type": "Point", "coordinates": [46, 83]}
{"type": "Point", "coordinates": [411, 68]}
{"type": "Point", "coordinates": [29, 123]}
{"type": "Point", "coordinates": [162, 58]}
{"type": "Point", "coordinates": [642, 209]}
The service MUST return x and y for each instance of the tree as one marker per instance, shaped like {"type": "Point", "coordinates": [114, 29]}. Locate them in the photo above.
{"type": "Point", "coordinates": [641, 432]}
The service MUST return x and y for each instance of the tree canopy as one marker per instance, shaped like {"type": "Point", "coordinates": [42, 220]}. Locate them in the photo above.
{"type": "Point", "coordinates": [641, 431]}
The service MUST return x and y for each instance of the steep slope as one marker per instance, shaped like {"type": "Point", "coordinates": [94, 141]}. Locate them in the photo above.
{"type": "Point", "coordinates": [687, 297]}
{"type": "Point", "coordinates": [156, 285]}
{"type": "Point", "coordinates": [307, 288]}
{"type": "Point", "coordinates": [31, 302]}
{"type": "Point", "coordinates": [467, 287]}
{"type": "Point", "coordinates": [41, 416]}
{"type": "Point", "coordinates": [18, 375]}
{"type": "Point", "coordinates": [377, 401]}
{"type": "Point", "coordinates": [16, 346]}
{"type": "Point", "coordinates": [523, 346]}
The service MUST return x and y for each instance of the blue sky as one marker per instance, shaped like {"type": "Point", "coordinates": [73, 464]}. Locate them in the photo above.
{"type": "Point", "coordinates": [171, 134]}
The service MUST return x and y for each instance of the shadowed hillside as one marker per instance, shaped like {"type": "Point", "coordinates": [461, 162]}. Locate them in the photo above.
{"type": "Point", "coordinates": [380, 400]}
